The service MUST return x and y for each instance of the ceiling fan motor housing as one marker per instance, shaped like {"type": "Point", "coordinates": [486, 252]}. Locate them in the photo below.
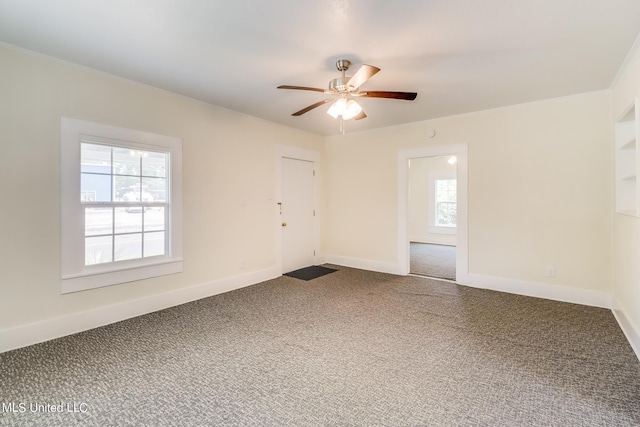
{"type": "Point", "coordinates": [340, 85]}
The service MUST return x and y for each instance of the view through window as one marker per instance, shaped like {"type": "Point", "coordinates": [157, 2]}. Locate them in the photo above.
{"type": "Point", "coordinates": [446, 202]}
{"type": "Point", "coordinates": [124, 193]}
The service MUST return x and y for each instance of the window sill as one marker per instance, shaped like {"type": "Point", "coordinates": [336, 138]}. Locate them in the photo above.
{"type": "Point", "coordinates": [86, 281]}
{"type": "Point", "coordinates": [439, 229]}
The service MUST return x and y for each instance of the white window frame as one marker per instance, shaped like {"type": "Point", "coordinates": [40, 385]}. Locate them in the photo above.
{"type": "Point", "coordinates": [75, 275]}
{"type": "Point", "coordinates": [437, 202]}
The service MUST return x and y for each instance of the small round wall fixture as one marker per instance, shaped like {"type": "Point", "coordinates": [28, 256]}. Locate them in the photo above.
{"type": "Point", "coordinates": [431, 133]}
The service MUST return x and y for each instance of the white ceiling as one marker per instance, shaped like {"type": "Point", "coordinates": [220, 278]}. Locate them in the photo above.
{"type": "Point", "coordinates": [459, 55]}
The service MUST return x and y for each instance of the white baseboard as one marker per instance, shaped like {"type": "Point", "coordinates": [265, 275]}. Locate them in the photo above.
{"type": "Point", "coordinates": [435, 239]}
{"type": "Point", "coordinates": [513, 286]}
{"type": "Point", "coordinates": [33, 333]}
{"type": "Point", "coordinates": [538, 290]}
{"type": "Point", "coordinates": [632, 333]}
{"type": "Point", "coordinates": [363, 264]}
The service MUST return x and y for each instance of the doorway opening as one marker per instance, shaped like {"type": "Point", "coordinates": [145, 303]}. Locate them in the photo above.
{"type": "Point", "coordinates": [432, 212]}
{"type": "Point", "coordinates": [433, 216]}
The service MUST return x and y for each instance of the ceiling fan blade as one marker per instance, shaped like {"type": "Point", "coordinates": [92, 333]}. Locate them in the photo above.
{"type": "Point", "coordinates": [409, 96]}
{"type": "Point", "coordinates": [315, 89]}
{"type": "Point", "coordinates": [311, 107]}
{"type": "Point", "coordinates": [363, 74]}
{"type": "Point", "coordinates": [360, 116]}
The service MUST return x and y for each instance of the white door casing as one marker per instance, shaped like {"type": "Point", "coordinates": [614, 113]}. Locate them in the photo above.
{"type": "Point", "coordinates": [460, 150]}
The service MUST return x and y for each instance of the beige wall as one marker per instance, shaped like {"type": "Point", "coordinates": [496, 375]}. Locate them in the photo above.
{"type": "Point", "coordinates": [539, 190]}
{"type": "Point", "coordinates": [626, 229]}
{"type": "Point", "coordinates": [228, 174]}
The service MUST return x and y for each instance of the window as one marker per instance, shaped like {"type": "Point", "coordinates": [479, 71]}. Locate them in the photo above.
{"type": "Point", "coordinates": [446, 202]}
{"type": "Point", "coordinates": [121, 205]}
{"type": "Point", "coordinates": [127, 218]}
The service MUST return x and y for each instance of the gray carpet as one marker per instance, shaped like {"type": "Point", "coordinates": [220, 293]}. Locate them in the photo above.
{"type": "Point", "coordinates": [352, 348]}
{"type": "Point", "coordinates": [433, 260]}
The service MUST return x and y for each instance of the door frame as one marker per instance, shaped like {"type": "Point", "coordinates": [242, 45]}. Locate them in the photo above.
{"type": "Point", "coordinates": [462, 239]}
{"type": "Point", "coordinates": [297, 153]}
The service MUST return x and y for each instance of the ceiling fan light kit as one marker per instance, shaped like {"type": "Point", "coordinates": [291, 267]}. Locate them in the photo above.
{"type": "Point", "coordinates": [348, 109]}
{"type": "Point", "coordinates": [345, 108]}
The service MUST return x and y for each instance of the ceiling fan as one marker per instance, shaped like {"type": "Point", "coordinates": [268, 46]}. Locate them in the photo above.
{"type": "Point", "coordinates": [343, 89]}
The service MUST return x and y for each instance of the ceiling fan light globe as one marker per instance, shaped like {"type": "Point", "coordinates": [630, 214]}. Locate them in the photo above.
{"type": "Point", "coordinates": [337, 108]}
{"type": "Point", "coordinates": [352, 109]}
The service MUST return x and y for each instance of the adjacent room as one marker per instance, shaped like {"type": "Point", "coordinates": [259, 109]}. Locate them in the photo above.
{"type": "Point", "coordinates": [337, 212]}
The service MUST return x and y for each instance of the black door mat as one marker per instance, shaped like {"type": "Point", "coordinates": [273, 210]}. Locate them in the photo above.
{"type": "Point", "coordinates": [310, 273]}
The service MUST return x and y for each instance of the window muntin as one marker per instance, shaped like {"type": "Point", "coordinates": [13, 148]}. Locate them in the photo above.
{"type": "Point", "coordinates": [131, 202]}
{"type": "Point", "coordinates": [127, 223]}
{"type": "Point", "coordinates": [446, 202]}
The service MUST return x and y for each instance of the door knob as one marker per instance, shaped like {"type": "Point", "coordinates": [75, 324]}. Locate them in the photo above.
{"type": "Point", "coordinates": [284, 224]}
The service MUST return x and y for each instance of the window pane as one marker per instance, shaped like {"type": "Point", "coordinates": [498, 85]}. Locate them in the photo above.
{"type": "Point", "coordinates": [126, 161]}
{"type": "Point", "coordinates": [446, 190]}
{"type": "Point", "coordinates": [452, 190]}
{"type": "Point", "coordinates": [154, 244]}
{"type": "Point", "coordinates": [154, 219]}
{"type": "Point", "coordinates": [97, 250]}
{"type": "Point", "coordinates": [446, 213]}
{"type": "Point", "coordinates": [95, 188]}
{"type": "Point", "coordinates": [128, 246]}
{"type": "Point", "coordinates": [127, 188]}
{"type": "Point", "coordinates": [88, 196]}
{"type": "Point", "coordinates": [128, 220]}
{"type": "Point", "coordinates": [441, 190]}
{"type": "Point", "coordinates": [95, 158]}
{"type": "Point", "coordinates": [154, 164]}
{"type": "Point", "coordinates": [154, 189]}
{"type": "Point", "coordinates": [98, 221]}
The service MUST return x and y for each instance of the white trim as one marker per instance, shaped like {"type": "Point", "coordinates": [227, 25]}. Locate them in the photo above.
{"type": "Point", "coordinates": [460, 150]}
{"type": "Point", "coordinates": [630, 332]}
{"type": "Point", "coordinates": [33, 333]}
{"type": "Point", "coordinates": [363, 264]}
{"type": "Point", "coordinates": [538, 290]}
{"type": "Point", "coordinates": [91, 281]}
{"type": "Point", "coordinates": [75, 276]}
{"type": "Point", "coordinates": [513, 286]}
{"type": "Point", "coordinates": [435, 239]}
{"type": "Point", "coordinates": [297, 153]}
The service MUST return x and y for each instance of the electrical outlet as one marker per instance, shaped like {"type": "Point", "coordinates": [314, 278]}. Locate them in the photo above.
{"type": "Point", "coordinates": [551, 272]}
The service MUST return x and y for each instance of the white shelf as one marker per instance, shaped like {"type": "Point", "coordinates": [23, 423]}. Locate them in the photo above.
{"type": "Point", "coordinates": [627, 132]}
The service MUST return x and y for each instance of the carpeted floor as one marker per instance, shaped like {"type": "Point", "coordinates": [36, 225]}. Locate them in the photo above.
{"type": "Point", "coordinates": [433, 260]}
{"type": "Point", "coordinates": [351, 348]}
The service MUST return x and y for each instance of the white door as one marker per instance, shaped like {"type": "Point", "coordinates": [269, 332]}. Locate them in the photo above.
{"type": "Point", "coordinates": [298, 216]}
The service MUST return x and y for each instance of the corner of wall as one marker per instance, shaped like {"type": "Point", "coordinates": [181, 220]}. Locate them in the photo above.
{"type": "Point", "coordinates": [628, 329]}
